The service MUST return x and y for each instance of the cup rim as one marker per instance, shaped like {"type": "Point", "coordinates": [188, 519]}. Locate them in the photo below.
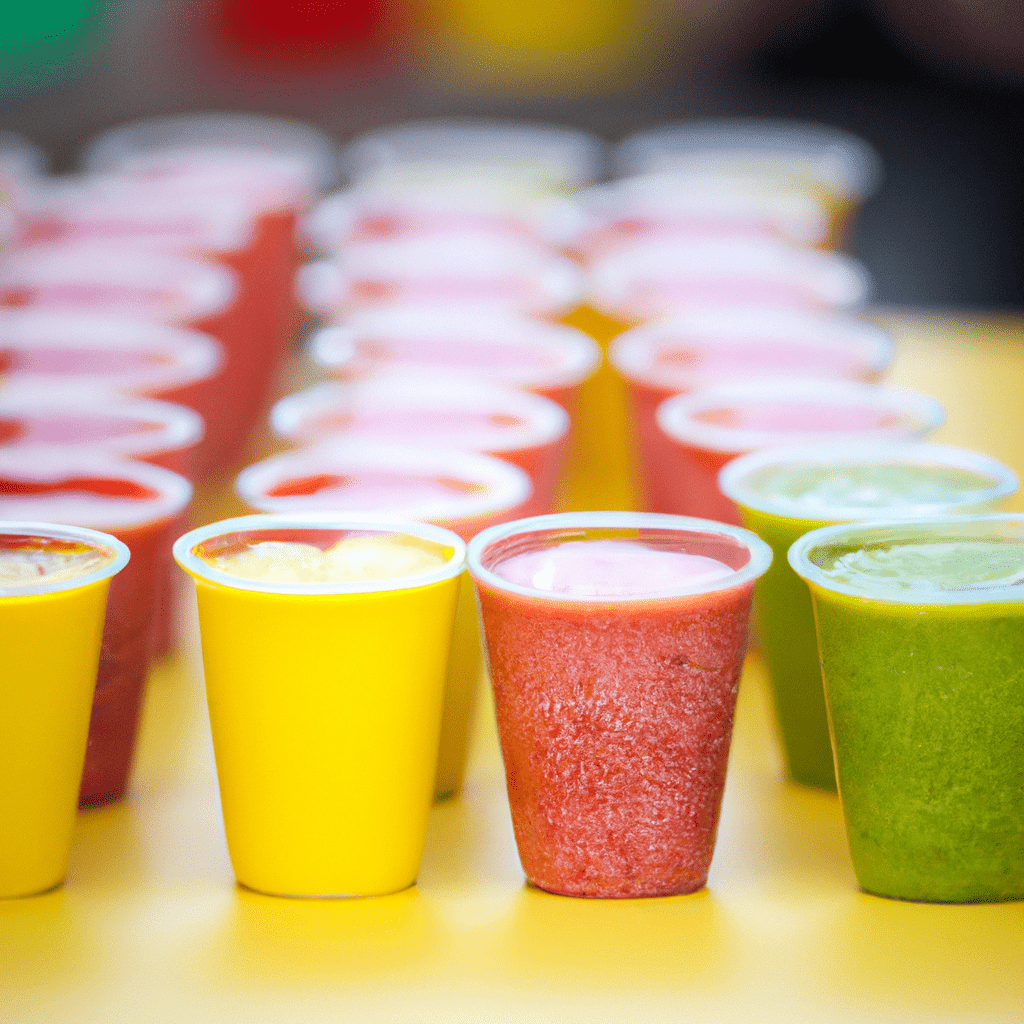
{"type": "Point", "coordinates": [757, 565]}
{"type": "Point", "coordinates": [183, 552]}
{"type": "Point", "coordinates": [733, 477]}
{"type": "Point", "coordinates": [882, 530]}
{"type": "Point", "coordinates": [59, 531]}
{"type": "Point", "coordinates": [674, 414]}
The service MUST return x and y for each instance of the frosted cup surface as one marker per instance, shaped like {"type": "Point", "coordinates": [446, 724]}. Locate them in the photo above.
{"type": "Point", "coordinates": [53, 593]}
{"type": "Point", "coordinates": [324, 649]}
{"type": "Point", "coordinates": [921, 632]}
{"type": "Point", "coordinates": [783, 493]}
{"type": "Point", "coordinates": [702, 431]}
{"type": "Point", "coordinates": [615, 643]}
{"type": "Point", "coordinates": [462, 491]}
{"type": "Point", "coordinates": [726, 345]}
{"type": "Point", "coordinates": [139, 504]}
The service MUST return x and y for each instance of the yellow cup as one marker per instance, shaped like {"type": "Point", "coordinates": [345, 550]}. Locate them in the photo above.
{"type": "Point", "coordinates": [49, 651]}
{"type": "Point", "coordinates": [325, 707]}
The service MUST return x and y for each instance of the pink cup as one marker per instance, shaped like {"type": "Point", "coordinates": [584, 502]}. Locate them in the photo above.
{"type": "Point", "coordinates": [706, 347]}
{"type": "Point", "coordinates": [706, 429]}
{"type": "Point", "coordinates": [645, 282]}
{"type": "Point", "coordinates": [478, 272]}
{"type": "Point", "coordinates": [550, 359]}
{"type": "Point", "coordinates": [522, 428]}
{"type": "Point", "coordinates": [140, 505]}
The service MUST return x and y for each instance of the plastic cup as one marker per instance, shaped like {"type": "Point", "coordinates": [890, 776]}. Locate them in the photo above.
{"type": "Point", "coordinates": [706, 429]}
{"type": "Point", "coordinates": [545, 157]}
{"type": "Point", "coordinates": [783, 493]}
{"type": "Point", "coordinates": [647, 281]}
{"type": "Point", "coordinates": [503, 209]}
{"type": "Point", "coordinates": [140, 505]}
{"type": "Point", "coordinates": [615, 711]}
{"type": "Point", "coordinates": [527, 430]}
{"type": "Point", "coordinates": [160, 433]}
{"type": "Point", "coordinates": [724, 345]}
{"type": "Point", "coordinates": [550, 359]}
{"type": "Point", "coordinates": [662, 207]}
{"type": "Point", "coordinates": [325, 706]}
{"type": "Point", "coordinates": [839, 167]}
{"type": "Point", "coordinates": [921, 627]}
{"type": "Point", "coordinates": [462, 491]}
{"type": "Point", "coordinates": [480, 273]}
{"type": "Point", "coordinates": [50, 630]}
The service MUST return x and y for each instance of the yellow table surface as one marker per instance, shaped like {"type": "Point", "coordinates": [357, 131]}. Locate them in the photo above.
{"type": "Point", "coordinates": [150, 926]}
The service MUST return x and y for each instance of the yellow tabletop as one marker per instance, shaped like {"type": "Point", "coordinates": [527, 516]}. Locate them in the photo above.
{"type": "Point", "coordinates": [150, 926]}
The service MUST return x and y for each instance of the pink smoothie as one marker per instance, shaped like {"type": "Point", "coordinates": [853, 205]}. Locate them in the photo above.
{"type": "Point", "coordinates": [702, 431]}
{"type": "Point", "coordinates": [615, 664]}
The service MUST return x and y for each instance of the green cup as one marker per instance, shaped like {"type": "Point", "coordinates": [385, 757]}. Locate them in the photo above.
{"type": "Point", "coordinates": [921, 632]}
{"type": "Point", "coordinates": [783, 493]}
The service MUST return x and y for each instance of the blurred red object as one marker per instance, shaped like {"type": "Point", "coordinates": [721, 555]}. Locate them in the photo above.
{"type": "Point", "coordinates": [303, 31]}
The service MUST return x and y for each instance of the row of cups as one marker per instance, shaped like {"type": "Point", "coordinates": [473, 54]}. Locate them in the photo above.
{"type": "Point", "coordinates": [615, 643]}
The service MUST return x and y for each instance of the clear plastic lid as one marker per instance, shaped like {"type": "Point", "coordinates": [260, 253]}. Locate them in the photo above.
{"type": "Point", "coordinates": [116, 210]}
{"type": "Point", "coordinates": [197, 551]}
{"type": "Point", "coordinates": [544, 155]}
{"type": "Point", "coordinates": [503, 208]}
{"type": "Point", "coordinates": [459, 486]}
{"type": "Point", "coordinates": [826, 157]}
{"type": "Point", "coordinates": [647, 281]}
{"type": "Point", "coordinates": [124, 428]}
{"type": "Point", "coordinates": [36, 539]}
{"type": "Point", "coordinates": [109, 280]}
{"type": "Point", "coordinates": [512, 350]}
{"type": "Point", "coordinates": [747, 416]}
{"type": "Point", "coordinates": [40, 348]}
{"type": "Point", "coordinates": [469, 270]}
{"type": "Point", "coordinates": [937, 561]}
{"type": "Point", "coordinates": [87, 488]}
{"type": "Point", "coordinates": [438, 411]}
{"type": "Point", "coordinates": [705, 347]}
{"type": "Point", "coordinates": [666, 203]}
{"type": "Point", "coordinates": [841, 482]}
{"type": "Point", "coordinates": [740, 549]}
{"type": "Point", "coordinates": [296, 154]}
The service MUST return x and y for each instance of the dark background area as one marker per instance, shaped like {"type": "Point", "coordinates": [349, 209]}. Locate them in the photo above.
{"type": "Point", "coordinates": [945, 229]}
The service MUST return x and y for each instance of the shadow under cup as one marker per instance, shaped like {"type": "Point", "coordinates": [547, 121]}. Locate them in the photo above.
{"type": "Point", "coordinates": [615, 713]}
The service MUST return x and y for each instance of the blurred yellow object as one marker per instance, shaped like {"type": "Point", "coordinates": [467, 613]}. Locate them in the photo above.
{"type": "Point", "coordinates": [538, 46]}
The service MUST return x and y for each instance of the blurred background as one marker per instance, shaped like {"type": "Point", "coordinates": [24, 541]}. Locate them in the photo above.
{"type": "Point", "coordinates": [937, 88]}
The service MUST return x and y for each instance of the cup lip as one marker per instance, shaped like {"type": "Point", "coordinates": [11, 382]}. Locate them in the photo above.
{"type": "Point", "coordinates": [507, 486]}
{"type": "Point", "coordinates": [881, 530]}
{"type": "Point", "coordinates": [183, 552]}
{"type": "Point", "coordinates": [543, 421]}
{"type": "Point", "coordinates": [732, 480]}
{"type": "Point", "coordinates": [760, 552]}
{"type": "Point", "coordinates": [634, 351]}
{"type": "Point", "coordinates": [59, 531]}
{"type": "Point", "coordinates": [674, 415]}
{"type": "Point", "coordinates": [336, 348]}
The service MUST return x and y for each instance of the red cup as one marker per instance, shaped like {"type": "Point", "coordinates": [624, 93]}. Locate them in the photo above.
{"type": "Point", "coordinates": [707, 347]}
{"type": "Point", "coordinates": [549, 359]}
{"type": "Point", "coordinates": [140, 505]}
{"type": "Point", "coordinates": [520, 427]}
{"type": "Point", "coordinates": [472, 271]}
{"type": "Point", "coordinates": [706, 429]}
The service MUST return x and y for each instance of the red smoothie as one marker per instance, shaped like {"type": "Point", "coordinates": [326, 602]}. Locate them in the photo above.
{"type": "Point", "coordinates": [140, 505]}
{"type": "Point", "coordinates": [616, 642]}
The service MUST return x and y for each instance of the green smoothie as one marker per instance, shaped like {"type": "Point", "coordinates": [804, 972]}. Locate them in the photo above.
{"type": "Point", "coordinates": [784, 493]}
{"type": "Point", "coordinates": [921, 628]}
